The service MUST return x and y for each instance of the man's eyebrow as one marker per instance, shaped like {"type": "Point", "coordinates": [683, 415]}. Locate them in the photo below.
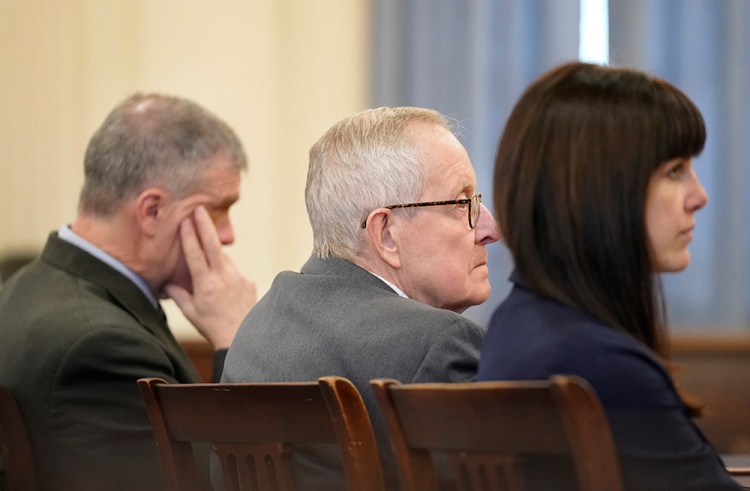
{"type": "Point", "coordinates": [466, 188]}
{"type": "Point", "coordinates": [228, 201]}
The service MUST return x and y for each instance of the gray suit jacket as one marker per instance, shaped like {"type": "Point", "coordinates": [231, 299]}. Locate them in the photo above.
{"type": "Point", "coordinates": [75, 335]}
{"type": "Point", "coordinates": [335, 318]}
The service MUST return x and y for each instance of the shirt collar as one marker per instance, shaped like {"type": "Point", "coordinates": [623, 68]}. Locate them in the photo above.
{"type": "Point", "coordinates": [394, 287]}
{"type": "Point", "coordinates": [66, 233]}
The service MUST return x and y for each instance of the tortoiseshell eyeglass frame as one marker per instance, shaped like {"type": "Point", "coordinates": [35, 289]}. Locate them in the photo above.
{"type": "Point", "coordinates": [474, 202]}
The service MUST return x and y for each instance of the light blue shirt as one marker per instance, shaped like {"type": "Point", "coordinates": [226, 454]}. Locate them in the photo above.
{"type": "Point", "coordinates": [66, 233]}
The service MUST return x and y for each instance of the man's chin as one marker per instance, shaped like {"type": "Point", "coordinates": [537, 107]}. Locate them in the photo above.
{"type": "Point", "coordinates": [481, 295]}
{"type": "Point", "coordinates": [471, 301]}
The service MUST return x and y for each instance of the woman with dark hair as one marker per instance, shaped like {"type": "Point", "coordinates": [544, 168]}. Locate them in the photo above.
{"type": "Point", "coordinates": [595, 194]}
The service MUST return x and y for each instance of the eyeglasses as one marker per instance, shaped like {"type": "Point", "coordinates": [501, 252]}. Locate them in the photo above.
{"type": "Point", "coordinates": [474, 202]}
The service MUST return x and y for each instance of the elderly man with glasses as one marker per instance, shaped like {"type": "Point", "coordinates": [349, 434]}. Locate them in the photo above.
{"type": "Point", "coordinates": [399, 252]}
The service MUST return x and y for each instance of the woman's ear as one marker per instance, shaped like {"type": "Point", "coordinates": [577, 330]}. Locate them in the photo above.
{"type": "Point", "coordinates": [382, 234]}
{"type": "Point", "coordinates": [149, 210]}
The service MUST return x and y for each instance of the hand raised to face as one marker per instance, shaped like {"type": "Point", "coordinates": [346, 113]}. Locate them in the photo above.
{"type": "Point", "coordinates": [221, 295]}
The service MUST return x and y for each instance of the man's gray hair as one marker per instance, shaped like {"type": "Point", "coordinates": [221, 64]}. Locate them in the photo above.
{"type": "Point", "coordinates": [362, 163]}
{"type": "Point", "coordinates": [153, 140]}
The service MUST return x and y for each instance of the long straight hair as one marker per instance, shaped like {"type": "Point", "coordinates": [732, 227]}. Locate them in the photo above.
{"type": "Point", "coordinates": [570, 185]}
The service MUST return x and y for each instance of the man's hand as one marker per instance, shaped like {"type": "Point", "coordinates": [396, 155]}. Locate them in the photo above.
{"type": "Point", "coordinates": [221, 295]}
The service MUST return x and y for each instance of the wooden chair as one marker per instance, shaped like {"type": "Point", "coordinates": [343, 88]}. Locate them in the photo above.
{"type": "Point", "coordinates": [15, 448]}
{"type": "Point", "coordinates": [488, 429]}
{"type": "Point", "coordinates": [253, 429]}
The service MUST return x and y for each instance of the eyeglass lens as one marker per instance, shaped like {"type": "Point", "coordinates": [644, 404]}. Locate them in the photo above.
{"type": "Point", "coordinates": [474, 209]}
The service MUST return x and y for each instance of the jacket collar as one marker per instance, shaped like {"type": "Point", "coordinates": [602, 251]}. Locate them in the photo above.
{"type": "Point", "coordinates": [121, 289]}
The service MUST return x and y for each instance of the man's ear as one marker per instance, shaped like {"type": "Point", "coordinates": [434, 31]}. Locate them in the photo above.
{"type": "Point", "coordinates": [383, 236]}
{"type": "Point", "coordinates": [149, 210]}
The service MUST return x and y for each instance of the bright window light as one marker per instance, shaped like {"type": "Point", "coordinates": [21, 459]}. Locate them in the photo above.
{"type": "Point", "coordinates": [593, 44]}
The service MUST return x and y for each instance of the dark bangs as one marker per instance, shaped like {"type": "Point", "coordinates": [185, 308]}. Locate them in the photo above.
{"type": "Point", "coordinates": [679, 125]}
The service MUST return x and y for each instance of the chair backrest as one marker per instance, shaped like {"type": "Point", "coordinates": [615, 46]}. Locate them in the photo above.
{"type": "Point", "coordinates": [488, 429]}
{"type": "Point", "coordinates": [253, 428]}
{"type": "Point", "coordinates": [15, 448]}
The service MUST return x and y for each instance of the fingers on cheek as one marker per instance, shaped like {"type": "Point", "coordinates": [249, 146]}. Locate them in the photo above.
{"type": "Point", "coordinates": [186, 227]}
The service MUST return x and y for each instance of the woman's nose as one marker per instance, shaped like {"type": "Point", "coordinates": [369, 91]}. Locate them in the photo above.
{"type": "Point", "coordinates": [697, 197]}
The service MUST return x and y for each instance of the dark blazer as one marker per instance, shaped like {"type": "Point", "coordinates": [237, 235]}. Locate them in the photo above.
{"type": "Point", "coordinates": [75, 335]}
{"type": "Point", "coordinates": [335, 318]}
{"type": "Point", "coordinates": [660, 447]}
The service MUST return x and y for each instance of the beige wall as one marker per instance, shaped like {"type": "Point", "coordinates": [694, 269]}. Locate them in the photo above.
{"type": "Point", "coordinates": [279, 71]}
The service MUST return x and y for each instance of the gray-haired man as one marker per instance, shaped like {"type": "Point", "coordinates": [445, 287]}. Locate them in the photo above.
{"type": "Point", "coordinates": [399, 249]}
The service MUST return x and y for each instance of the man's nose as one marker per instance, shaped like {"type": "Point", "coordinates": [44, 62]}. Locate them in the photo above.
{"type": "Point", "coordinates": [225, 232]}
{"type": "Point", "coordinates": [486, 231]}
